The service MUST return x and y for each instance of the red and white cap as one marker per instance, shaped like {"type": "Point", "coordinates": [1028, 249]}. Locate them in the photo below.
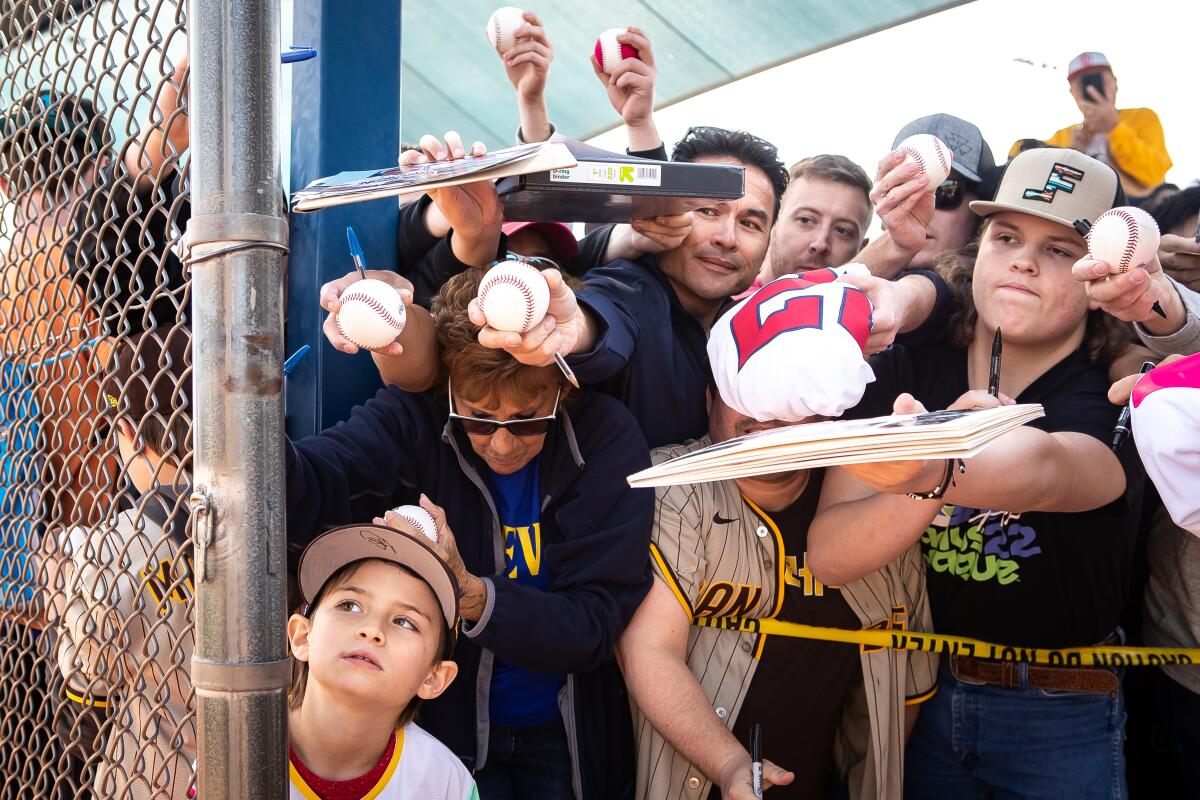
{"type": "Point", "coordinates": [1166, 428]}
{"type": "Point", "coordinates": [1086, 62]}
{"type": "Point", "coordinates": [794, 348]}
{"type": "Point", "coordinates": [560, 238]}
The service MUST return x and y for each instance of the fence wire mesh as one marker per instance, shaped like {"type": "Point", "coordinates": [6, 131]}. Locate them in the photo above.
{"type": "Point", "coordinates": [96, 582]}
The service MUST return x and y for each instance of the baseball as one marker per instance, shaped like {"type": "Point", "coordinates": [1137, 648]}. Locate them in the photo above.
{"type": "Point", "coordinates": [500, 27]}
{"type": "Point", "coordinates": [420, 519]}
{"type": "Point", "coordinates": [513, 296]}
{"type": "Point", "coordinates": [609, 52]}
{"type": "Point", "coordinates": [371, 314]}
{"type": "Point", "coordinates": [1125, 238]}
{"type": "Point", "coordinates": [931, 155]}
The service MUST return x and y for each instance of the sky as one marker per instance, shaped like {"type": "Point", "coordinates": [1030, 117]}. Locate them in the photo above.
{"type": "Point", "coordinates": [1001, 64]}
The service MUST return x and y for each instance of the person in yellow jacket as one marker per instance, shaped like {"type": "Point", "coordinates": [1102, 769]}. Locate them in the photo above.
{"type": "Point", "coordinates": [1130, 140]}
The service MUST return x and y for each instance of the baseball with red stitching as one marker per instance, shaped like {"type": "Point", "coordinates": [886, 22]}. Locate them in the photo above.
{"type": "Point", "coordinates": [371, 314]}
{"type": "Point", "coordinates": [500, 27]}
{"type": "Point", "coordinates": [931, 155]}
{"type": "Point", "coordinates": [609, 52]}
{"type": "Point", "coordinates": [1125, 238]}
{"type": "Point", "coordinates": [420, 519]}
{"type": "Point", "coordinates": [513, 296]}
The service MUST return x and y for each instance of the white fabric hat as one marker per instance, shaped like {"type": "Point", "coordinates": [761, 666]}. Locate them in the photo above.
{"type": "Point", "coordinates": [1166, 427]}
{"type": "Point", "coordinates": [794, 348]}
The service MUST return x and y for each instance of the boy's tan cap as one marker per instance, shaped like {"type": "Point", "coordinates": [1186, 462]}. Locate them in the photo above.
{"type": "Point", "coordinates": [1056, 184]}
{"type": "Point", "coordinates": [336, 548]}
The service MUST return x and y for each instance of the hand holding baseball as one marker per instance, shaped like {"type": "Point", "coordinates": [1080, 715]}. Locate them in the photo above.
{"type": "Point", "coordinates": [629, 81]}
{"type": "Point", "coordinates": [527, 61]}
{"type": "Point", "coordinates": [1130, 296]}
{"type": "Point", "coordinates": [560, 329]}
{"type": "Point", "coordinates": [903, 200]}
{"type": "Point", "coordinates": [331, 301]}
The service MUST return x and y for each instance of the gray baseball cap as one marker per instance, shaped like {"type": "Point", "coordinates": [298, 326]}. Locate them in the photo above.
{"type": "Point", "coordinates": [1060, 185]}
{"type": "Point", "coordinates": [972, 156]}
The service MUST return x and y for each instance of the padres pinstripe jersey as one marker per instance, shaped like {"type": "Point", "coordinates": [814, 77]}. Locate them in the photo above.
{"type": "Point", "coordinates": [706, 545]}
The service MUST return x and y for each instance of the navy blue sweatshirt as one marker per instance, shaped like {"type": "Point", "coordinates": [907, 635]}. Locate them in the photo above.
{"type": "Point", "coordinates": [596, 533]}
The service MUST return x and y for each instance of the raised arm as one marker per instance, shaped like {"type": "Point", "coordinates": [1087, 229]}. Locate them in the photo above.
{"type": "Point", "coordinates": [165, 134]}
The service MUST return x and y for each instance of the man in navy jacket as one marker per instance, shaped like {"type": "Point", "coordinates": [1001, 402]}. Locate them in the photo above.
{"type": "Point", "coordinates": [549, 542]}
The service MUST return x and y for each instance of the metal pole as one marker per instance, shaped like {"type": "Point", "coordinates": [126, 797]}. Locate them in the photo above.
{"type": "Point", "coordinates": [237, 238]}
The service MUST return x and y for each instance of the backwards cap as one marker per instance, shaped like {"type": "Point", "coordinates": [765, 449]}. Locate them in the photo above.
{"type": "Point", "coordinates": [794, 348]}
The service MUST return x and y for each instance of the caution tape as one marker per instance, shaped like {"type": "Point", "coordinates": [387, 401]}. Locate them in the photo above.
{"type": "Point", "coordinates": [1099, 656]}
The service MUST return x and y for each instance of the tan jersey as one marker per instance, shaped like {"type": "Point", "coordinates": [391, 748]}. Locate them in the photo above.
{"type": "Point", "coordinates": [724, 557]}
{"type": "Point", "coordinates": [126, 635]}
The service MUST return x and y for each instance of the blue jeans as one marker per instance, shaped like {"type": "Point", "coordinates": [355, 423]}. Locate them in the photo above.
{"type": "Point", "coordinates": [978, 741]}
{"type": "Point", "coordinates": [527, 762]}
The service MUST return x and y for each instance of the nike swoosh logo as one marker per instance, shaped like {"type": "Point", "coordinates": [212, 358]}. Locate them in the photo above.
{"type": "Point", "coordinates": [717, 518]}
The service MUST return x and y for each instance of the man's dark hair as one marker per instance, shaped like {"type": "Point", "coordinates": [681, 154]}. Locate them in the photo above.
{"type": "Point", "coordinates": [48, 138]}
{"type": "Point", "coordinates": [704, 141]}
{"type": "Point", "coordinates": [1170, 211]}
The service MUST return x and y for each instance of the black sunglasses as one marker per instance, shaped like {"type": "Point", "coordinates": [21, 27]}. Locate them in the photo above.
{"type": "Point", "coordinates": [949, 195]}
{"type": "Point", "coordinates": [478, 426]}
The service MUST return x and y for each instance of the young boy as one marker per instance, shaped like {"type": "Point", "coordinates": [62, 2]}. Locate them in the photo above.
{"type": "Point", "coordinates": [375, 639]}
{"type": "Point", "coordinates": [122, 606]}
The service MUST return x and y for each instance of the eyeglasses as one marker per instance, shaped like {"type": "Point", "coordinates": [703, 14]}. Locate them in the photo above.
{"type": "Point", "coordinates": [535, 261]}
{"type": "Point", "coordinates": [477, 426]}
{"type": "Point", "coordinates": [949, 195]}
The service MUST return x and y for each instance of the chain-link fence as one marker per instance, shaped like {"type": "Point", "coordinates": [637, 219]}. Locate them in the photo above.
{"type": "Point", "coordinates": [96, 577]}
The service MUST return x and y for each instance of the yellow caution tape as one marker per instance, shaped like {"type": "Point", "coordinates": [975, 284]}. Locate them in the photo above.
{"type": "Point", "coordinates": [1100, 656]}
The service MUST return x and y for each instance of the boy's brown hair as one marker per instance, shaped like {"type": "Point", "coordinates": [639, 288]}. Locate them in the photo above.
{"type": "Point", "coordinates": [148, 380]}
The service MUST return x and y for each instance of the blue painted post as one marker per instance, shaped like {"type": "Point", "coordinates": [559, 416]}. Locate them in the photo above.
{"type": "Point", "coordinates": [345, 115]}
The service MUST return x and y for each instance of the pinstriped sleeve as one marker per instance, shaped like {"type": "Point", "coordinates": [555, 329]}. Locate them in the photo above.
{"type": "Point", "coordinates": [676, 547]}
{"type": "Point", "coordinates": [921, 679]}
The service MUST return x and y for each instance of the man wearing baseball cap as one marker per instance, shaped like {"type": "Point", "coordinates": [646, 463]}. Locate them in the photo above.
{"type": "Point", "coordinates": [1034, 545]}
{"type": "Point", "coordinates": [916, 235]}
{"type": "Point", "coordinates": [374, 639]}
{"type": "Point", "coordinates": [738, 548]}
{"type": "Point", "coordinates": [1130, 140]}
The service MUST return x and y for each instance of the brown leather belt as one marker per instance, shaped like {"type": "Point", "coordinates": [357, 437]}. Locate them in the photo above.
{"type": "Point", "coordinates": [1007, 674]}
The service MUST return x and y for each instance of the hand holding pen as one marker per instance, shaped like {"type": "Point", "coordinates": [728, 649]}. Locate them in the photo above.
{"type": "Point", "coordinates": [1122, 429]}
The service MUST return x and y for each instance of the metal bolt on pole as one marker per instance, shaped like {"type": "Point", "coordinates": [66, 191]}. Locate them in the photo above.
{"type": "Point", "coordinates": [237, 239]}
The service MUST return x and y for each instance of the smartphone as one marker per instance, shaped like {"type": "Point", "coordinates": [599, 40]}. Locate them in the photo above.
{"type": "Point", "coordinates": [1095, 79]}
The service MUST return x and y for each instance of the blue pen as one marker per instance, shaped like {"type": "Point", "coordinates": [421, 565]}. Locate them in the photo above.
{"type": "Point", "coordinates": [356, 252]}
{"type": "Point", "coordinates": [294, 359]}
{"type": "Point", "coordinates": [297, 52]}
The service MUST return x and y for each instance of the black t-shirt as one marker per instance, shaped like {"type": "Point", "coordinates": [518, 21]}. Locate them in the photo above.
{"type": "Point", "coordinates": [1035, 579]}
{"type": "Point", "coordinates": [800, 685]}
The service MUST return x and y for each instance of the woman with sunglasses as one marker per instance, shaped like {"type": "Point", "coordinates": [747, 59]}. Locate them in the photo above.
{"type": "Point", "coordinates": [548, 542]}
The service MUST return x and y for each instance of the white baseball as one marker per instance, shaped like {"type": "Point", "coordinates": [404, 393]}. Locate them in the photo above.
{"type": "Point", "coordinates": [500, 27]}
{"type": "Point", "coordinates": [420, 519]}
{"type": "Point", "coordinates": [931, 155]}
{"type": "Point", "coordinates": [609, 52]}
{"type": "Point", "coordinates": [1124, 237]}
{"type": "Point", "coordinates": [371, 314]}
{"type": "Point", "coordinates": [513, 296]}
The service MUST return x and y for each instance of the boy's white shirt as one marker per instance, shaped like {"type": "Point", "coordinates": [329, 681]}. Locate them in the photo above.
{"type": "Point", "coordinates": [422, 768]}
